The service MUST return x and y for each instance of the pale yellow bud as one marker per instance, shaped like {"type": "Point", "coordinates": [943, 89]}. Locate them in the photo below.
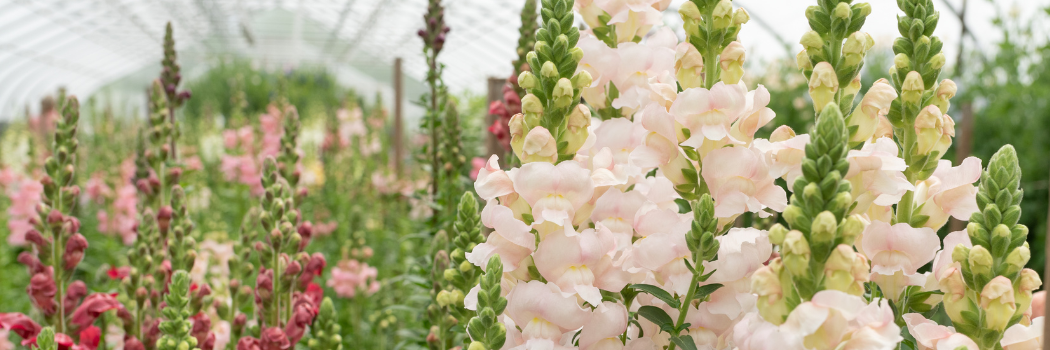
{"type": "Point", "coordinates": [853, 88]}
{"type": "Point", "coordinates": [576, 131]}
{"type": "Point", "coordinates": [796, 253]}
{"type": "Point", "coordinates": [531, 104]}
{"type": "Point", "coordinates": [582, 80]}
{"type": "Point", "coordinates": [980, 260]}
{"type": "Point", "coordinates": [823, 227]}
{"type": "Point", "coordinates": [812, 42]}
{"type": "Point", "coordinates": [945, 91]}
{"type": "Point", "coordinates": [851, 228]}
{"type": "Point", "coordinates": [782, 133]}
{"type": "Point", "coordinates": [937, 61]}
{"type": "Point", "coordinates": [802, 61]}
{"type": "Point", "coordinates": [997, 300]}
{"type": "Point", "coordinates": [876, 102]}
{"type": "Point", "coordinates": [842, 11]}
{"type": "Point", "coordinates": [688, 10]}
{"type": "Point", "coordinates": [1016, 260]}
{"type": "Point", "coordinates": [912, 88]}
{"type": "Point", "coordinates": [563, 93]}
{"type": "Point", "coordinates": [823, 85]}
{"type": "Point", "coordinates": [526, 80]}
{"type": "Point", "coordinates": [517, 133]}
{"type": "Point", "coordinates": [740, 16]}
{"type": "Point", "coordinates": [477, 346]}
{"type": "Point", "coordinates": [856, 46]}
{"type": "Point", "coordinates": [539, 146]}
{"type": "Point", "coordinates": [732, 62]}
{"type": "Point", "coordinates": [777, 233]}
{"type": "Point", "coordinates": [1029, 280]}
{"type": "Point", "coordinates": [723, 14]}
{"type": "Point", "coordinates": [934, 131]}
{"type": "Point", "coordinates": [838, 270]}
{"type": "Point", "coordinates": [549, 70]}
{"type": "Point", "coordinates": [689, 65]}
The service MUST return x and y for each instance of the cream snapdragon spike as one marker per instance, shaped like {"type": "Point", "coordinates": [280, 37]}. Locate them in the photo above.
{"type": "Point", "coordinates": [572, 234]}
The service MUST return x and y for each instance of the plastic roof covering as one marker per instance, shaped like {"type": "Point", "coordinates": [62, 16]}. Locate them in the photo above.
{"type": "Point", "coordinates": [86, 44]}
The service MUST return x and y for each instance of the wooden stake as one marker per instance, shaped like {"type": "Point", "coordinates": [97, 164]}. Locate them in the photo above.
{"type": "Point", "coordinates": [399, 95]}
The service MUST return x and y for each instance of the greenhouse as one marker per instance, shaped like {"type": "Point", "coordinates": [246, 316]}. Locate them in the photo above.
{"type": "Point", "coordinates": [524, 174]}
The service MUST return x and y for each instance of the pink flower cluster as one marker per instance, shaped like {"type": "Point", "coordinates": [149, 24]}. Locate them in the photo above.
{"type": "Point", "coordinates": [124, 218]}
{"type": "Point", "coordinates": [243, 162]}
{"type": "Point", "coordinates": [25, 194]}
{"type": "Point", "coordinates": [350, 277]}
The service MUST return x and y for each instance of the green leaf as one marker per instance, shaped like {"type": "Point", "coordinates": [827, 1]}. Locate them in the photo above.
{"type": "Point", "coordinates": [656, 315]}
{"type": "Point", "coordinates": [683, 205]}
{"type": "Point", "coordinates": [657, 292]}
{"type": "Point", "coordinates": [706, 290]}
{"type": "Point", "coordinates": [685, 342]}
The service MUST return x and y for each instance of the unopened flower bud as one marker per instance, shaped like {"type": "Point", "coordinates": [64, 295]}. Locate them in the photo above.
{"type": "Point", "coordinates": [901, 61]}
{"type": "Point", "coordinates": [1016, 260]}
{"type": "Point", "coordinates": [823, 84]}
{"type": "Point", "coordinates": [1029, 280]}
{"type": "Point", "coordinates": [563, 93]}
{"type": "Point", "coordinates": [794, 215]}
{"type": "Point", "coordinates": [802, 61]}
{"type": "Point", "coordinates": [732, 62]}
{"type": "Point", "coordinates": [723, 14]}
{"type": "Point", "coordinates": [476, 345]}
{"type": "Point", "coordinates": [796, 253]}
{"type": "Point", "coordinates": [937, 61]}
{"type": "Point", "coordinates": [740, 16]}
{"type": "Point", "coordinates": [576, 128]}
{"type": "Point", "coordinates": [934, 130]}
{"type": "Point", "coordinates": [576, 53]}
{"type": "Point", "coordinates": [688, 10]}
{"type": "Point", "coordinates": [517, 133]}
{"type": "Point", "coordinates": [856, 46]}
{"type": "Point", "coordinates": [851, 229]}
{"type": "Point", "coordinates": [912, 88]}
{"type": "Point", "coordinates": [782, 133]}
{"type": "Point", "coordinates": [526, 80]}
{"type": "Point", "coordinates": [812, 43]}
{"type": "Point", "coordinates": [444, 298]}
{"type": "Point", "coordinates": [842, 11]}
{"type": "Point", "coordinates": [945, 91]}
{"type": "Point", "coordinates": [824, 227]}
{"type": "Point", "coordinates": [980, 260]}
{"type": "Point", "coordinates": [582, 80]}
{"type": "Point", "coordinates": [997, 300]}
{"type": "Point", "coordinates": [539, 145]}
{"type": "Point", "coordinates": [777, 233]}
{"type": "Point", "coordinates": [531, 104]}
{"type": "Point", "coordinates": [689, 64]}
{"type": "Point", "coordinates": [838, 269]}
{"type": "Point", "coordinates": [548, 70]}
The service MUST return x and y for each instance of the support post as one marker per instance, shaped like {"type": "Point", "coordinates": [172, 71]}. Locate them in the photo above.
{"type": "Point", "coordinates": [399, 95]}
{"type": "Point", "coordinates": [495, 93]}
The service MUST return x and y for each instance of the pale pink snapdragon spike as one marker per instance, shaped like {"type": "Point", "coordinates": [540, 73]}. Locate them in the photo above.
{"type": "Point", "coordinates": [709, 114]}
{"type": "Point", "coordinates": [542, 312]}
{"type": "Point", "coordinates": [755, 117]}
{"type": "Point", "coordinates": [943, 261]}
{"type": "Point", "coordinates": [616, 211]}
{"type": "Point", "coordinates": [631, 17]}
{"type": "Point", "coordinates": [581, 264]}
{"type": "Point", "coordinates": [492, 181]}
{"type": "Point", "coordinates": [740, 181]}
{"type": "Point", "coordinates": [270, 124]}
{"type": "Point", "coordinates": [753, 332]}
{"type": "Point", "coordinates": [784, 153]}
{"type": "Point", "coordinates": [604, 327]}
{"type": "Point", "coordinates": [661, 249]}
{"type": "Point", "coordinates": [25, 195]}
{"type": "Point", "coordinates": [511, 238]}
{"type": "Point", "coordinates": [610, 155]}
{"type": "Point", "coordinates": [931, 336]}
{"type": "Point", "coordinates": [659, 191]}
{"type": "Point", "coordinates": [835, 318]}
{"type": "Point", "coordinates": [640, 66]}
{"type": "Point", "coordinates": [1021, 337]}
{"type": "Point", "coordinates": [949, 192]}
{"type": "Point", "coordinates": [602, 62]}
{"type": "Point", "coordinates": [660, 145]}
{"type": "Point", "coordinates": [96, 188]}
{"type": "Point", "coordinates": [555, 192]}
{"type": "Point", "coordinates": [896, 253]}
{"type": "Point", "coordinates": [877, 175]}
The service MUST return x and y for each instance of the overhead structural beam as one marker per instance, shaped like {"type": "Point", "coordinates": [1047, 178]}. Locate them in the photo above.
{"type": "Point", "coordinates": [338, 25]}
{"type": "Point", "coordinates": [370, 23]}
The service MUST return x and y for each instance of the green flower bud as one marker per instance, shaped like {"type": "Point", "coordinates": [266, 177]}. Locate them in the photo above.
{"type": "Point", "coordinates": [688, 10]}
{"type": "Point", "coordinates": [912, 88]}
{"type": "Point", "coordinates": [823, 84]}
{"type": "Point", "coordinates": [531, 104]}
{"type": "Point", "coordinates": [576, 53]}
{"type": "Point", "coordinates": [960, 254]}
{"type": "Point", "coordinates": [527, 80]}
{"type": "Point", "coordinates": [777, 233]}
{"type": "Point", "coordinates": [549, 70]}
{"type": "Point", "coordinates": [901, 61]}
{"type": "Point", "coordinates": [444, 298]}
{"type": "Point", "coordinates": [796, 253]}
{"type": "Point", "coordinates": [824, 227]}
{"type": "Point", "coordinates": [582, 80]}
{"type": "Point", "coordinates": [813, 43]}
{"type": "Point", "coordinates": [1017, 260]}
{"type": "Point", "coordinates": [851, 229]}
{"type": "Point", "coordinates": [794, 215]}
{"type": "Point", "coordinates": [802, 61]}
{"type": "Point", "coordinates": [937, 61]}
{"type": "Point", "coordinates": [980, 260]}
{"type": "Point", "coordinates": [740, 16]}
{"type": "Point", "coordinates": [449, 274]}
{"type": "Point", "coordinates": [476, 345]}
{"type": "Point", "coordinates": [723, 14]}
{"type": "Point", "coordinates": [466, 266]}
{"type": "Point", "coordinates": [997, 300]}
{"type": "Point", "coordinates": [842, 11]}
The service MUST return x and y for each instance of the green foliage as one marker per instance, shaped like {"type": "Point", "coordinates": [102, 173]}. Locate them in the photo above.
{"type": "Point", "coordinates": [325, 329]}
{"type": "Point", "coordinates": [176, 325]}
{"type": "Point", "coordinates": [45, 340]}
{"type": "Point", "coordinates": [485, 331]}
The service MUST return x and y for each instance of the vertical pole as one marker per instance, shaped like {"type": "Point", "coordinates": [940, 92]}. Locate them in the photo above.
{"type": "Point", "coordinates": [963, 149]}
{"type": "Point", "coordinates": [495, 93]}
{"type": "Point", "coordinates": [399, 95]}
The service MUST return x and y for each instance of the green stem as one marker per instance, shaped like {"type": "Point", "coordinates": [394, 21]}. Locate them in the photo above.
{"type": "Point", "coordinates": [684, 308]}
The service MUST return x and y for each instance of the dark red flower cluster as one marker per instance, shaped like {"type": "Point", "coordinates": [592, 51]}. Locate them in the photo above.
{"type": "Point", "coordinates": [504, 110]}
